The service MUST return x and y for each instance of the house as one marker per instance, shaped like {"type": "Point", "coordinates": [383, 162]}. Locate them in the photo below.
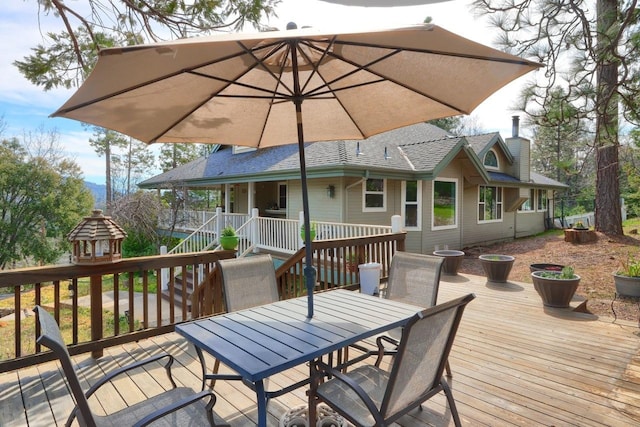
{"type": "Point", "coordinates": [449, 190]}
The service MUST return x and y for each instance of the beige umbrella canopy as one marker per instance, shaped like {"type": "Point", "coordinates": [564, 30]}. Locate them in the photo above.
{"type": "Point", "coordinates": [281, 87]}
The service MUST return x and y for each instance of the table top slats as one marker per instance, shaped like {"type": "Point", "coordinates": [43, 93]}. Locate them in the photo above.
{"type": "Point", "coordinates": [265, 340]}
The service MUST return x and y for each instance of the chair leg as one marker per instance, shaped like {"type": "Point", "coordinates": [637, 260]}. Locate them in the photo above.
{"type": "Point", "coordinates": [448, 369]}
{"type": "Point", "coordinates": [452, 403]}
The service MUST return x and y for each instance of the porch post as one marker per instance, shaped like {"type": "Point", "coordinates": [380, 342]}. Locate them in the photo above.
{"type": "Point", "coordinates": [219, 223]}
{"type": "Point", "coordinates": [255, 229]}
{"type": "Point", "coordinates": [396, 224]}
{"type": "Point", "coordinates": [300, 224]}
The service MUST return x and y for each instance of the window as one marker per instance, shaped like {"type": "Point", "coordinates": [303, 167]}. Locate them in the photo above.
{"type": "Point", "coordinates": [282, 196]}
{"type": "Point", "coordinates": [491, 160]}
{"type": "Point", "coordinates": [445, 204]}
{"type": "Point", "coordinates": [412, 204]}
{"type": "Point", "coordinates": [489, 204]}
{"type": "Point", "coordinates": [528, 205]}
{"type": "Point", "coordinates": [542, 200]}
{"type": "Point", "coordinates": [374, 197]}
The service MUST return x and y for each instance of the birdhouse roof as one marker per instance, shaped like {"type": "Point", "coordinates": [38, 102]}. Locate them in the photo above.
{"type": "Point", "coordinates": [96, 227]}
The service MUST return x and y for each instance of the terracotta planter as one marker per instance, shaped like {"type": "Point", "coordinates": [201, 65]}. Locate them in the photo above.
{"type": "Point", "coordinates": [627, 285]}
{"type": "Point", "coordinates": [452, 260]}
{"type": "Point", "coordinates": [496, 267]}
{"type": "Point", "coordinates": [555, 292]}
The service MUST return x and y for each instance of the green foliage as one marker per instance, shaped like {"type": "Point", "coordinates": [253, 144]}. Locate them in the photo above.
{"type": "Point", "coordinates": [228, 231]}
{"type": "Point", "coordinates": [138, 244]}
{"type": "Point", "coordinates": [567, 273]}
{"type": "Point", "coordinates": [630, 267]}
{"type": "Point", "coordinates": [42, 197]}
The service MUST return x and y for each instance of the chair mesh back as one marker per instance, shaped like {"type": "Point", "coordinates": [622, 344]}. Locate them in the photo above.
{"type": "Point", "coordinates": [422, 354]}
{"type": "Point", "coordinates": [414, 278]}
{"type": "Point", "coordinates": [51, 338]}
{"type": "Point", "coordinates": [248, 282]}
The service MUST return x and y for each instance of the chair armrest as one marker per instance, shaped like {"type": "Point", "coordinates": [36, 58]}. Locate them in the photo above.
{"type": "Point", "coordinates": [111, 375]}
{"type": "Point", "coordinates": [381, 348]}
{"type": "Point", "coordinates": [323, 368]}
{"type": "Point", "coordinates": [181, 404]}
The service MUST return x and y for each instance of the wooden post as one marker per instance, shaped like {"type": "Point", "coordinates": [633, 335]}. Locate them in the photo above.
{"type": "Point", "coordinates": [96, 313]}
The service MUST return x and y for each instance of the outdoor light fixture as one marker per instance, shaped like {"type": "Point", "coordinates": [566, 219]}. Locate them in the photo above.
{"type": "Point", "coordinates": [331, 191]}
{"type": "Point", "coordinates": [71, 289]}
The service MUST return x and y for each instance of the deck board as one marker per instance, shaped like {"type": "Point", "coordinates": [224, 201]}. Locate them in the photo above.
{"type": "Point", "coordinates": [514, 363]}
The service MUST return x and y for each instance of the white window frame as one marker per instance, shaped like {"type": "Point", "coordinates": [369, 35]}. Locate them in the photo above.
{"type": "Point", "coordinates": [495, 153]}
{"type": "Point", "coordinates": [383, 192]}
{"type": "Point", "coordinates": [546, 200]}
{"type": "Point", "coordinates": [237, 149]}
{"type": "Point", "coordinates": [533, 200]}
{"type": "Point", "coordinates": [501, 203]}
{"type": "Point", "coordinates": [286, 195]}
{"type": "Point", "coordinates": [433, 200]}
{"type": "Point", "coordinates": [417, 202]}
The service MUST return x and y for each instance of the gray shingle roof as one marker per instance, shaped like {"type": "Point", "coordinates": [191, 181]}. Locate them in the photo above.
{"type": "Point", "coordinates": [419, 148]}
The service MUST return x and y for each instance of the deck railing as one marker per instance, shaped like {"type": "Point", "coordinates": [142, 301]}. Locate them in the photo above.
{"type": "Point", "coordinates": [79, 297]}
{"type": "Point", "coordinates": [89, 326]}
{"type": "Point", "coordinates": [336, 262]}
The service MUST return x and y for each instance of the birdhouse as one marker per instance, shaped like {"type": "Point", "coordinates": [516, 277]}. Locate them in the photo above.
{"type": "Point", "coordinates": [97, 239]}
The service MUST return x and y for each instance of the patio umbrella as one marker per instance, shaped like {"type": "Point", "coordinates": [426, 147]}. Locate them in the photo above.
{"type": "Point", "coordinates": [294, 86]}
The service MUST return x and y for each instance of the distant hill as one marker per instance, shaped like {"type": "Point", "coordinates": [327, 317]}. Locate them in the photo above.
{"type": "Point", "coordinates": [99, 193]}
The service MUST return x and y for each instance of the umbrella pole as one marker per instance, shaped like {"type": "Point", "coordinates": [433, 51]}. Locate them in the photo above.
{"type": "Point", "coordinates": [309, 271]}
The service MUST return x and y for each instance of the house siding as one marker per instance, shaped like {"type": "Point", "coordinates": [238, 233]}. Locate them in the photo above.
{"type": "Point", "coordinates": [475, 233]}
{"type": "Point", "coordinates": [529, 223]}
{"type": "Point", "coordinates": [321, 206]}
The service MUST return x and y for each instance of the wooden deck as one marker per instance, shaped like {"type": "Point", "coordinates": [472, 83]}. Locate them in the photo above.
{"type": "Point", "coordinates": [513, 362]}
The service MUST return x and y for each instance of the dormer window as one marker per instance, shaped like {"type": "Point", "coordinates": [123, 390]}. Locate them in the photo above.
{"type": "Point", "coordinates": [491, 160]}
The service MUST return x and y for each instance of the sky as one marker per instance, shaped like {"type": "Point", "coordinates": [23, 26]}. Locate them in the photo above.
{"type": "Point", "coordinates": [26, 107]}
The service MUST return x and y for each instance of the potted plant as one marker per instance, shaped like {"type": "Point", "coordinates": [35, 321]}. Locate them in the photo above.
{"type": "Point", "coordinates": [452, 260]}
{"type": "Point", "coordinates": [579, 226]}
{"type": "Point", "coordinates": [313, 231]}
{"type": "Point", "coordinates": [496, 267]}
{"type": "Point", "coordinates": [627, 279]}
{"type": "Point", "coordinates": [556, 288]}
{"type": "Point", "coordinates": [229, 238]}
{"type": "Point", "coordinates": [545, 267]}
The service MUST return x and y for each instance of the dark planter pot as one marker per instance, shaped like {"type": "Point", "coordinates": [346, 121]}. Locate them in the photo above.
{"type": "Point", "coordinates": [452, 260]}
{"type": "Point", "coordinates": [496, 267]}
{"type": "Point", "coordinates": [555, 292]}
{"type": "Point", "coordinates": [229, 242]}
{"type": "Point", "coordinates": [627, 286]}
{"type": "Point", "coordinates": [546, 267]}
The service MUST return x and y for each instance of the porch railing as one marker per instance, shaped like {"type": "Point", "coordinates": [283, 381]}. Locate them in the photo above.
{"type": "Point", "coordinates": [205, 236]}
{"type": "Point", "coordinates": [265, 233]}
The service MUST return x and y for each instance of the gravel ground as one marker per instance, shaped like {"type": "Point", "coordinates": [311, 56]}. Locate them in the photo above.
{"type": "Point", "coordinates": [594, 262]}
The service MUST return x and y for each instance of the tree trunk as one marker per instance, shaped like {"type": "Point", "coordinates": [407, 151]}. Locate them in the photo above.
{"type": "Point", "coordinates": [607, 213]}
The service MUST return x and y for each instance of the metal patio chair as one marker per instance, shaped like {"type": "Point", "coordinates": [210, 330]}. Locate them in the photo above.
{"type": "Point", "coordinates": [178, 406]}
{"type": "Point", "coordinates": [248, 282]}
{"type": "Point", "coordinates": [371, 396]}
{"type": "Point", "coordinates": [415, 279]}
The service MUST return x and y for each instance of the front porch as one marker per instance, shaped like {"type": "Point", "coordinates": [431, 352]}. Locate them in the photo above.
{"type": "Point", "coordinates": [513, 363]}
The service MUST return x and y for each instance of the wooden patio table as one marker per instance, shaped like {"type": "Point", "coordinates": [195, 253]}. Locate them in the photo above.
{"type": "Point", "coordinates": [263, 341]}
